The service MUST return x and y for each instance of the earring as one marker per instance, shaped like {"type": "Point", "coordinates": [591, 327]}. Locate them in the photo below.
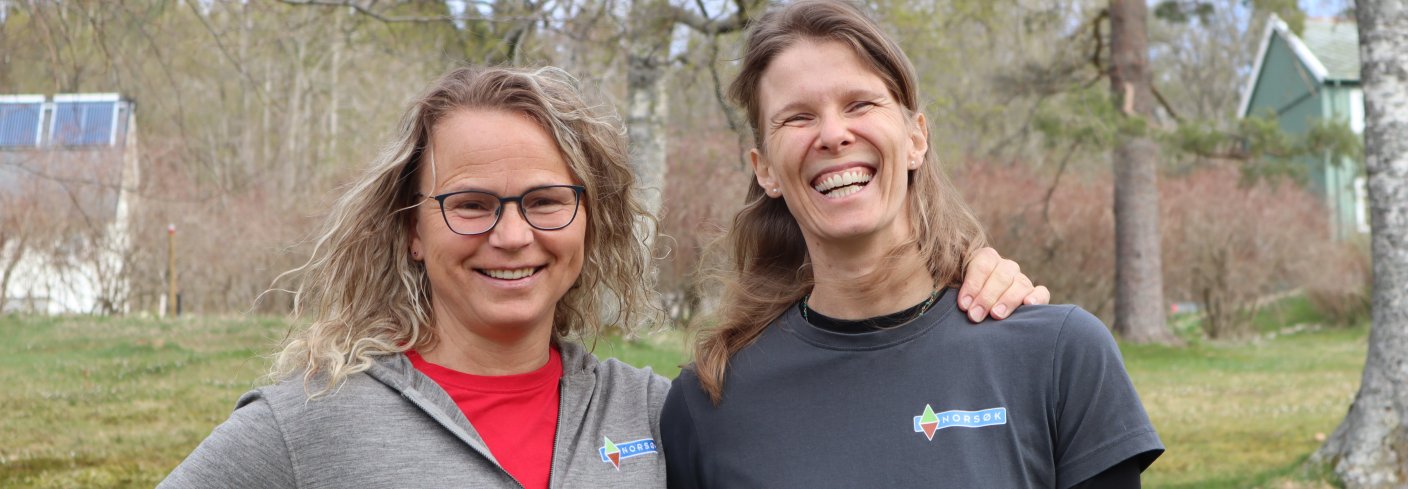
{"type": "Point", "coordinates": [415, 254]}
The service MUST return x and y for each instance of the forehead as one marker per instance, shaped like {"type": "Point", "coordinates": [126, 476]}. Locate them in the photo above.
{"type": "Point", "coordinates": [477, 145]}
{"type": "Point", "coordinates": [811, 70]}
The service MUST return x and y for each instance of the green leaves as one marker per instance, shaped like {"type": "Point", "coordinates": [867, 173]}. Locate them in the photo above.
{"type": "Point", "coordinates": [1182, 11]}
{"type": "Point", "coordinates": [1264, 148]}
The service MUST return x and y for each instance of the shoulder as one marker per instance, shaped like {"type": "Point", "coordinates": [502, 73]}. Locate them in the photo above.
{"type": "Point", "coordinates": [644, 380]}
{"type": "Point", "coordinates": [306, 411]}
{"type": "Point", "coordinates": [611, 373]}
{"type": "Point", "coordinates": [251, 437]}
{"type": "Point", "coordinates": [616, 371]}
{"type": "Point", "coordinates": [1066, 326]}
{"type": "Point", "coordinates": [624, 387]}
{"type": "Point", "coordinates": [1059, 322]}
{"type": "Point", "coordinates": [1029, 330]}
{"type": "Point", "coordinates": [297, 393]}
{"type": "Point", "coordinates": [1053, 316]}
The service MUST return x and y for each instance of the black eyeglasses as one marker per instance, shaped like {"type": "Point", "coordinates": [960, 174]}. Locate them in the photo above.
{"type": "Point", "coordinates": [547, 208]}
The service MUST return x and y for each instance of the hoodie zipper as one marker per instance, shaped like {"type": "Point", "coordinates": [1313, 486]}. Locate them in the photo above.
{"type": "Point", "coordinates": [557, 429]}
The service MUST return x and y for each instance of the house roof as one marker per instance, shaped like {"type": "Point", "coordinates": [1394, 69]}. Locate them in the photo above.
{"type": "Point", "coordinates": [67, 155]}
{"type": "Point", "coordinates": [1335, 42]}
{"type": "Point", "coordinates": [1328, 48]}
{"type": "Point", "coordinates": [70, 120]}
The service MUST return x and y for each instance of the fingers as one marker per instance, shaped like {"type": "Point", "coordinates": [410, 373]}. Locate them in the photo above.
{"type": "Point", "coordinates": [1013, 297]}
{"type": "Point", "coordinates": [1003, 277]}
{"type": "Point", "coordinates": [980, 267]}
{"type": "Point", "coordinates": [1040, 295]}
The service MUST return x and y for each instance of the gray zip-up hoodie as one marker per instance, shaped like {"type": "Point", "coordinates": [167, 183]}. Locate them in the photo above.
{"type": "Point", "coordinates": [391, 426]}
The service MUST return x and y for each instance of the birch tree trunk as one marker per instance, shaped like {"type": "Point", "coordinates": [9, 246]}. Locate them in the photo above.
{"type": "Point", "coordinates": [1370, 447]}
{"type": "Point", "coordinates": [1139, 299]}
{"type": "Point", "coordinates": [648, 62]}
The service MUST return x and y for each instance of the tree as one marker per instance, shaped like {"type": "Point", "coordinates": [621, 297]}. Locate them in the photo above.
{"type": "Point", "coordinates": [651, 25]}
{"type": "Point", "coordinates": [1367, 450]}
{"type": "Point", "coordinates": [1139, 302]}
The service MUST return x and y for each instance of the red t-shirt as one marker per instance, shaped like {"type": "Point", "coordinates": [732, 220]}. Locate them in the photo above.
{"type": "Point", "coordinates": [516, 415]}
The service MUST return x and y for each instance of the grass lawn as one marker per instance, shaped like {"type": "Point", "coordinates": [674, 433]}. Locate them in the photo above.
{"type": "Point", "coordinates": [118, 402]}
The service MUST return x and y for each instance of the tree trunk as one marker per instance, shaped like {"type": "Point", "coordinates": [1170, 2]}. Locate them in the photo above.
{"type": "Point", "coordinates": [1139, 303]}
{"type": "Point", "coordinates": [648, 60]}
{"type": "Point", "coordinates": [1370, 448]}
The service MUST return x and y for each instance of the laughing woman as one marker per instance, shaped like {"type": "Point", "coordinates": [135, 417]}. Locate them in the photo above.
{"type": "Point", "coordinates": [867, 374]}
{"type": "Point", "coordinates": [445, 295]}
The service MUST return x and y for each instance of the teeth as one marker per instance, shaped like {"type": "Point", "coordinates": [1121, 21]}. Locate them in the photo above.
{"type": "Point", "coordinates": [510, 274]}
{"type": "Point", "coordinates": [842, 179]}
{"type": "Point", "coordinates": [843, 192]}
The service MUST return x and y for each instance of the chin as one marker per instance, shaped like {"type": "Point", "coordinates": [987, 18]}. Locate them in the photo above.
{"type": "Point", "coordinates": [515, 313]}
{"type": "Point", "coordinates": [850, 226]}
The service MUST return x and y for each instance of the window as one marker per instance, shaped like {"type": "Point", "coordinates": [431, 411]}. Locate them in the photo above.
{"type": "Point", "coordinates": [1356, 110]}
{"type": "Point", "coordinates": [83, 120]}
{"type": "Point", "coordinates": [20, 117]}
{"type": "Point", "coordinates": [1361, 204]}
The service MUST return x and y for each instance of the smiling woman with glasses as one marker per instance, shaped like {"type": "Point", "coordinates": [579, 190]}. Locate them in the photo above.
{"type": "Point", "coordinates": [442, 349]}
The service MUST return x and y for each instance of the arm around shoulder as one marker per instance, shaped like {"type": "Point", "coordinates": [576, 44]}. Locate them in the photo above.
{"type": "Point", "coordinates": [247, 450]}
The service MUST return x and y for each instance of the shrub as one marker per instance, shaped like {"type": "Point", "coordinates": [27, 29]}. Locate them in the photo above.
{"type": "Point", "coordinates": [1231, 244]}
{"type": "Point", "coordinates": [1065, 242]}
{"type": "Point", "coordinates": [1341, 294]}
{"type": "Point", "coordinates": [1228, 244]}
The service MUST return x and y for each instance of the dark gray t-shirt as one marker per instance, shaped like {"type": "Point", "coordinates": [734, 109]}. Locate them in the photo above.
{"type": "Point", "coordinates": [1040, 399]}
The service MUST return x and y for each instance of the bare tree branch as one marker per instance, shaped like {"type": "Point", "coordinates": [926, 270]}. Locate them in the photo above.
{"type": "Point", "coordinates": [364, 8]}
{"type": "Point", "coordinates": [707, 25]}
{"type": "Point", "coordinates": [239, 66]}
{"type": "Point", "coordinates": [1164, 102]}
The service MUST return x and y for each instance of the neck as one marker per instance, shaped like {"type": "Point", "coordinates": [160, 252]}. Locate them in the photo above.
{"type": "Point", "coordinates": [842, 271]}
{"type": "Point", "coordinates": [488, 350]}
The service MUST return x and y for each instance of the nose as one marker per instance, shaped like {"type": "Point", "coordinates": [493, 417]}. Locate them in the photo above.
{"type": "Point", "coordinates": [833, 134]}
{"type": "Point", "coordinates": [512, 232]}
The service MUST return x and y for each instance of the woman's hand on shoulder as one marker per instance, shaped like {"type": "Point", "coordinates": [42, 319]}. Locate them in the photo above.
{"type": "Point", "coordinates": [994, 286]}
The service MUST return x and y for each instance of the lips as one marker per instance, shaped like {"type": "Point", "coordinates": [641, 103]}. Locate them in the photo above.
{"type": "Point", "coordinates": [509, 273]}
{"type": "Point", "coordinates": [839, 183]}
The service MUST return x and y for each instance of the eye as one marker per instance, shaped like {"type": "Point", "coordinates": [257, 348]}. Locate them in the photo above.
{"type": "Point", "coordinates": [471, 205]}
{"type": "Point", "coordinates": [539, 201]}
{"type": "Point", "coordinates": [861, 106]}
{"type": "Point", "coordinates": [796, 119]}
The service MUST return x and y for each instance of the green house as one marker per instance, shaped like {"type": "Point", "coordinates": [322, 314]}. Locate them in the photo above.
{"type": "Point", "coordinates": [1307, 78]}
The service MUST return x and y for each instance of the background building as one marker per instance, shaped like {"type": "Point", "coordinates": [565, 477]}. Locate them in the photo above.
{"type": "Point", "coordinates": [1303, 80]}
{"type": "Point", "coordinates": [68, 176]}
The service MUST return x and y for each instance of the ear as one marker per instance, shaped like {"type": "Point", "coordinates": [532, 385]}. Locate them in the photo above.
{"type": "Point", "coordinates": [763, 172]}
{"type": "Point", "coordinates": [919, 137]}
{"type": "Point", "coordinates": [413, 231]}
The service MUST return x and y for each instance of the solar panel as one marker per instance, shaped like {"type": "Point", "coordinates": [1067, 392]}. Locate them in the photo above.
{"type": "Point", "coordinates": [20, 117]}
{"type": "Point", "coordinates": [83, 123]}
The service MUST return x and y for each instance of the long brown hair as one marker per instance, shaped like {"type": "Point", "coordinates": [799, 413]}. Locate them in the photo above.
{"type": "Point", "coordinates": [368, 298]}
{"type": "Point", "coordinates": [770, 269]}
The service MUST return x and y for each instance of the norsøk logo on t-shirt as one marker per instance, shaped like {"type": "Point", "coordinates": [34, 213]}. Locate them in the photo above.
{"type": "Point", "coordinates": [614, 453]}
{"type": "Point", "coordinates": [931, 422]}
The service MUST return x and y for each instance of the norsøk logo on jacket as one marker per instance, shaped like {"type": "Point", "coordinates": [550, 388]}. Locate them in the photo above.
{"type": "Point", "coordinates": [931, 422]}
{"type": "Point", "coordinates": [614, 453]}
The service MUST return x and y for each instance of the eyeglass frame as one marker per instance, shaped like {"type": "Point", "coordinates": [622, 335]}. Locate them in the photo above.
{"type": "Point", "coordinates": [577, 192]}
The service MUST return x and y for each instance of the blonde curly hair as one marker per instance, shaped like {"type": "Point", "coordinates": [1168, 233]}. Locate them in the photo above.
{"type": "Point", "coordinates": [365, 297]}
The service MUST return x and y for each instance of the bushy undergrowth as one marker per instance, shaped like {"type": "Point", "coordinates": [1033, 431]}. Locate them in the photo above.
{"type": "Point", "coordinates": [1228, 244]}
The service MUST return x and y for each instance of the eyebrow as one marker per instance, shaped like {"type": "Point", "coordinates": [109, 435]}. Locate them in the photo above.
{"type": "Point", "coordinates": [854, 93]}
